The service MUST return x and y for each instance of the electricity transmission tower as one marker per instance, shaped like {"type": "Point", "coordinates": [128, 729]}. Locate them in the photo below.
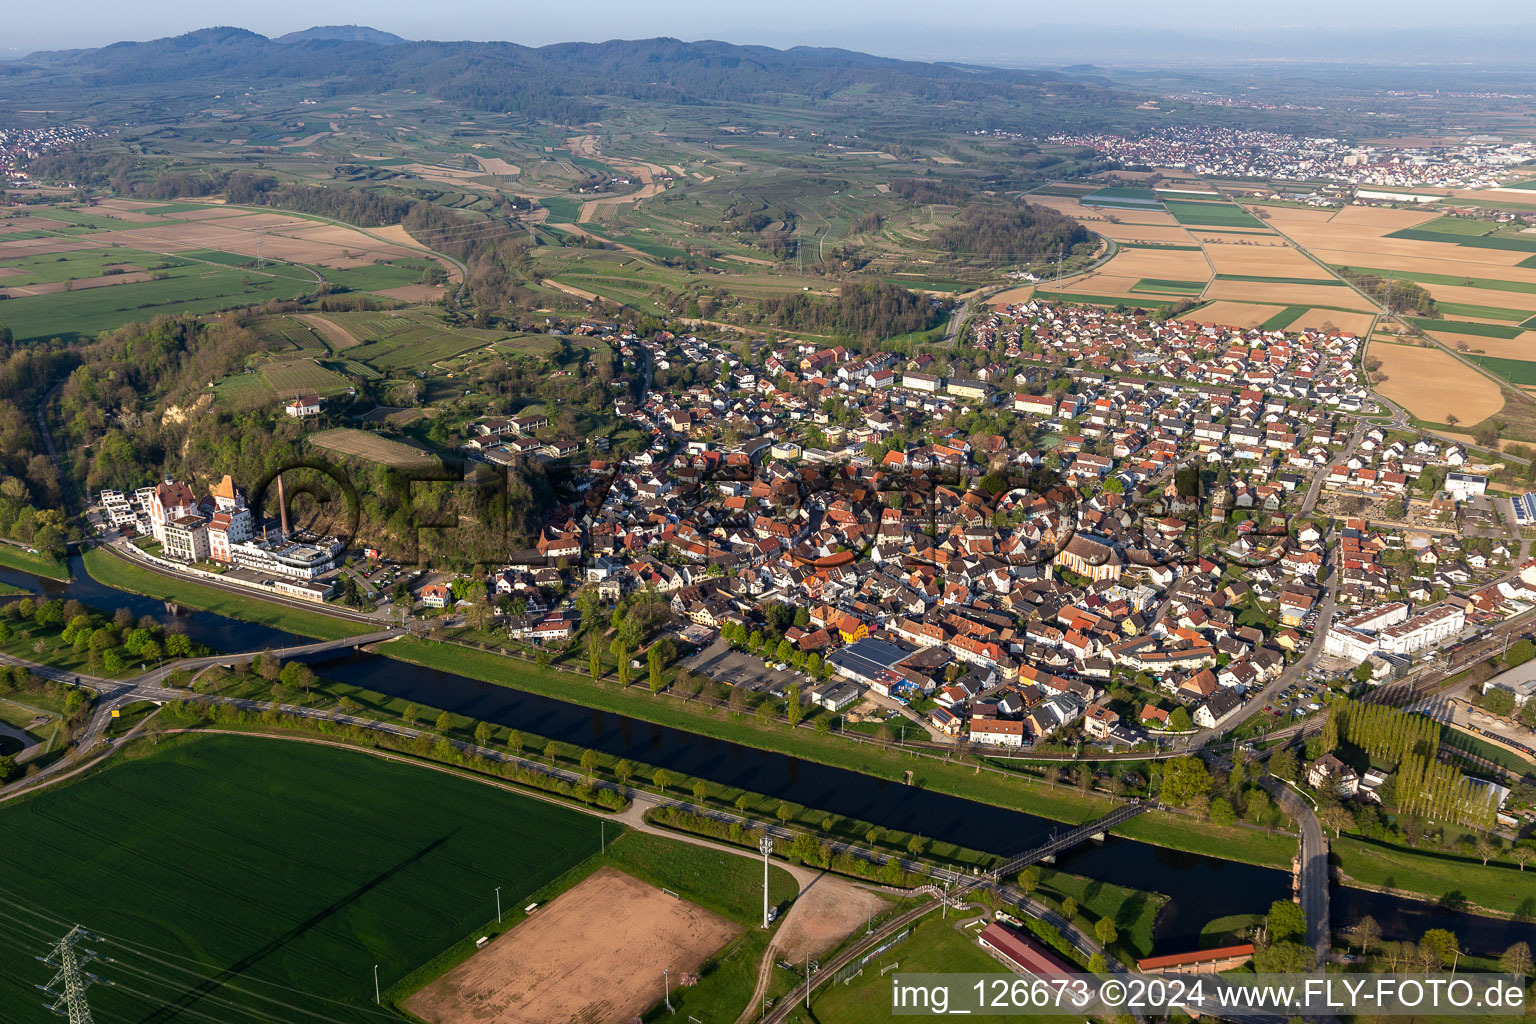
{"type": "Point", "coordinates": [69, 984]}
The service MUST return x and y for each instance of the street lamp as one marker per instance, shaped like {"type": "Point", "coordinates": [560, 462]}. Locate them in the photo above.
{"type": "Point", "coordinates": [666, 982]}
{"type": "Point", "coordinates": [376, 984]}
{"type": "Point", "coordinates": [766, 846]}
{"type": "Point", "coordinates": [498, 904]}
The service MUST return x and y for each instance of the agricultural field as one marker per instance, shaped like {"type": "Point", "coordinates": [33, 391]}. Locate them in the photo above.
{"type": "Point", "coordinates": [331, 353]}
{"type": "Point", "coordinates": [1433, 384]}
{"type": "Point", "coordinates": [1202, 214]}
{"type": "Point", "coordinates": [377, 863]}
{"type": "Point", "coordinates": [1204, 248]}
{"type": "Point", "coordinates": [124, 260]}
{"type": "Point", "coordinates": [1235, 314]}
{"type": "Point", "coordinates": [363, 445]}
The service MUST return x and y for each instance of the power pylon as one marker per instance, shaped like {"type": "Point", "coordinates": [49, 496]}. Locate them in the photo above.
{"type": "Point", "coordinates": [69, 984]}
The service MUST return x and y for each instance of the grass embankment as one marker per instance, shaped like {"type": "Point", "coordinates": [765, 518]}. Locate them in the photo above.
{"type": "Point", "coordinates": [297, 866]}
{"type": "Point", "coordinates": [105, 567]}
{"type": "Point", "coordinates": [1013, 791]}
{"type": "Point", "coordinates": [13, 557]}
{"type": "Point", "coordinates": [1133, 911]}
{"type": "Point", "coordinates": [1498, 887]}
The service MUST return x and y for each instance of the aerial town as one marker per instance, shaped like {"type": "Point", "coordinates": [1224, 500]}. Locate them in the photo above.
{"type": "Point", "coordinates": [717, 526]}
{"type": "Point", "coordinates": [1237, 153]}
{"type": "Point", "coordinates": [1173, 516]}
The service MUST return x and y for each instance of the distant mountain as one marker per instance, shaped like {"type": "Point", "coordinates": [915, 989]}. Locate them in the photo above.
{"type": "Point", "coordinates": [566, 82]}
{"type": "Point", "coordinates": [343, 34]}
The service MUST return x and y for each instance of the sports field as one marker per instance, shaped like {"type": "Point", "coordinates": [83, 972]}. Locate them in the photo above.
{"type": "Point", "coordinates": [596, 952]}
{"type": "Point", "coordinates": [236, 879]}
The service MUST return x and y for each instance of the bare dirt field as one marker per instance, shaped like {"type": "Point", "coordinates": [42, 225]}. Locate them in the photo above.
{"type": "Point", "coordinates": [1358, 324]}
{"type": "Point", "coordinates": [496, 165]}
{"type": "Point", "coordinates": [78, 284]}
{"type": "Point", "coordinates": [1288, 294]}
{"type": "Point", "coordinates": [569, 290]}
{"type": "Point", "coordinates": [1160, 264]}
{"type": "Point", "coordinates": [18, 247]}
{"type": "Point", "coordinates": [1232, 314]}
{"type": "Point", "coordinates": [828, 910]}
{"type": "Point", "coordinates": [330, 330]}
{"type": "Point", "coordinates": [1270, 258]}
{"type": "Point", "coordinates": [1012, 295]}
{"type": "Point", "coordinates": [413, 292]}
{"type": "Point", "coordinates": [1481, 296]}
{"type": "Point", "coordinates": [593, 954]}
{"type": "Point", "coordinates": [1432, 384]}
{"type": "Point", "coordinates": [363, 445]}
{"type": "Point", "coordinates": [1152, 233]}
{"type": "Point", "coordinates": [1218, 235]}
{"type": "Point", "coordinates": [1523, 347]}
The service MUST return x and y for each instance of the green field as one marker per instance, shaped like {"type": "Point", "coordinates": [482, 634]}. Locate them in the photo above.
{"type": "Point", "coordinates": [1283, 319]}
{"type": "Point", "coordinates": [194, 288]}
{"type": "Point", "coordinates": [108, 568]}
{"type": "Point", "coordinates": [379, 276]}
{"type": "Point", "coordinates": [1482, 312]}
{"type": "Point", "coordinates": [1467, 240]}
{"type": "Point", "coordinates": [1516, 371]}
{"type": "Point", "coordinates": [1192, 213]}
{"type": "Point", "coordinates": [1498, 753]}
{"type": "Point", "coordinates": [562, 209]}
{"type": "Point", "coordinates": [236, 879]}
{"type": "Point", "coordinates": [1486, 283]}
{"type": "Point", "coordinates": [1152, 284]}
{"type": "Point", "coordinates": [1463, 327]}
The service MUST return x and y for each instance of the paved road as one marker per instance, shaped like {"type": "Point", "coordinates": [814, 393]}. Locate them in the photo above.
{"type": "Point", "coordinates": [128, 552]}
{"type": "Point", "coordinates": [1314, 863]}
{"type": "Point", "coordinates": [114, 694]}
{"type": "Point", "coordinates": [1315, 489]}
{"type": "Point", "coordinates": [956, 321]}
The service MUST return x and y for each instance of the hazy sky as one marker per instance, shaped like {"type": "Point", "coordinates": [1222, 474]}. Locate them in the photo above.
{"type": "Point", "coordinates": [895, 27]}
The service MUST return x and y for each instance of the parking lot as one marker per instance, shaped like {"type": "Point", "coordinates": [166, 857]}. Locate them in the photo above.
{"type": "Point", "coordinates": [738, 668]}
{"type": "Point", "coordinates": [1298, 700]}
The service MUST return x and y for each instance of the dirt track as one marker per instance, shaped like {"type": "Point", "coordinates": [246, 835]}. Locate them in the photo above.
{"type": "Point", "coordinates": [594, 953]}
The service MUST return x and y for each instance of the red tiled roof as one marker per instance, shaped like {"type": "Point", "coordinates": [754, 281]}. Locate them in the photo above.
{"type": "Point", "coordinates": [1199, 956]}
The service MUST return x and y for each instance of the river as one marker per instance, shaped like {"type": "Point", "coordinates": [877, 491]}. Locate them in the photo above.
{"type": "Point", "coordinates": [1200, 888]}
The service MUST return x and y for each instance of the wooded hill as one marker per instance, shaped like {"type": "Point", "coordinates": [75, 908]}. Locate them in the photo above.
{"type": "Point", "coordinates": [567, 82]}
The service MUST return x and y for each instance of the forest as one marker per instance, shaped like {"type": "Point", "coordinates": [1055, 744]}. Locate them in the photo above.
{"type": "Point", "coordinates": [1001, 234]}
{"type": "Point", "coordinates": [868, 311]}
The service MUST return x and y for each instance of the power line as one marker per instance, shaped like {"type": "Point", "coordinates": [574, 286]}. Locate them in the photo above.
{"type": "Point", "coordinates": [69, 984]}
